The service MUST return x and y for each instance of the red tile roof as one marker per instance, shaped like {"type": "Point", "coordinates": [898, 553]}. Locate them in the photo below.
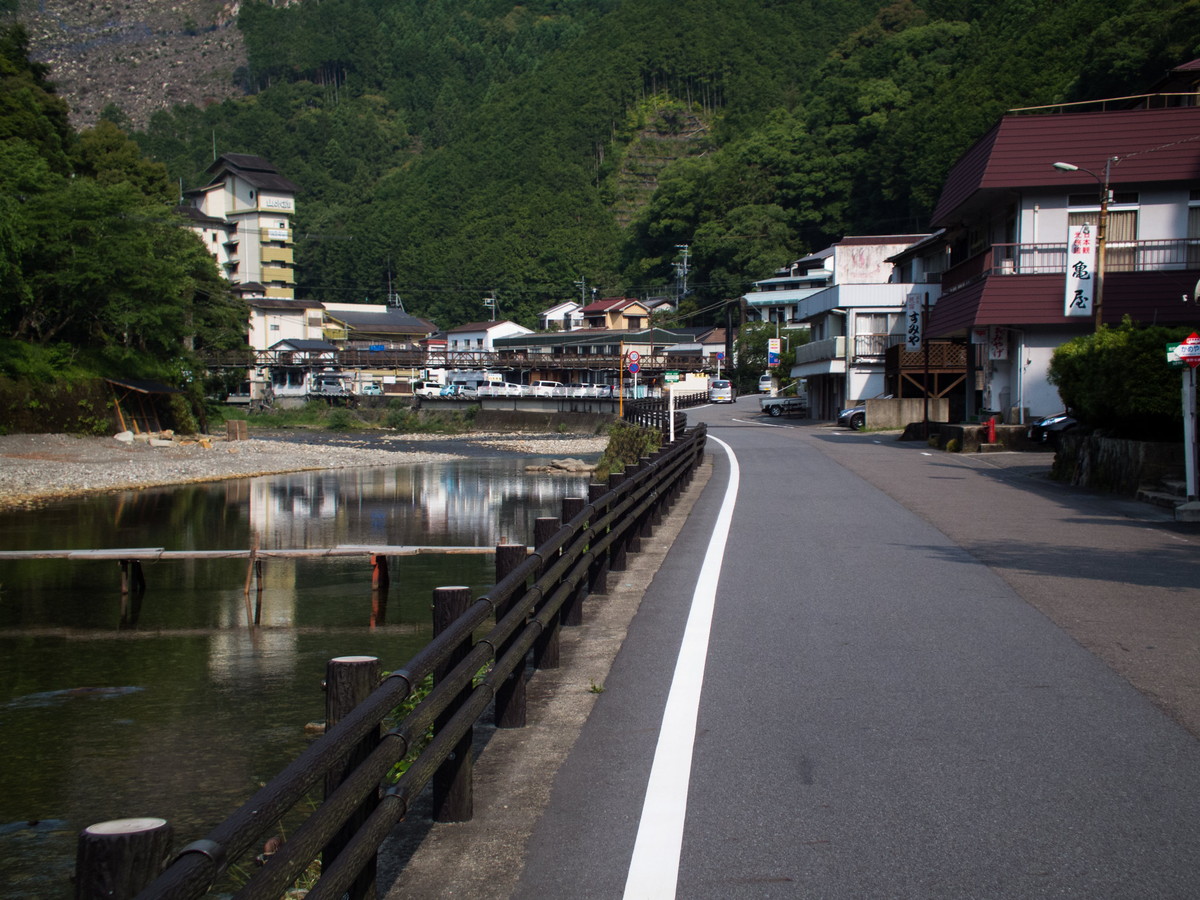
{"type": "Point", "coordinates": [1153, 145]}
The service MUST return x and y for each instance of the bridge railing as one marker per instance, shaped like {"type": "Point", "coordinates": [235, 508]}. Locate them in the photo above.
{"type": "Point", "coordinates": [535, 593]}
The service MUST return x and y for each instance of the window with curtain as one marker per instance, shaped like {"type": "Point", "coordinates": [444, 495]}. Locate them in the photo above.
{"type": "Point", "coordinates": [1120, 238]}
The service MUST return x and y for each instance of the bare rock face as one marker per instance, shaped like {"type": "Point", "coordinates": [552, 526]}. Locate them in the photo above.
{"type": "Point", "coordinates": [140, 55]}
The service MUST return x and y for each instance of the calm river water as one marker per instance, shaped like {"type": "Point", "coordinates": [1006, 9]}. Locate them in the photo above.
{"type": "Point", "coordinates": [173, 707]}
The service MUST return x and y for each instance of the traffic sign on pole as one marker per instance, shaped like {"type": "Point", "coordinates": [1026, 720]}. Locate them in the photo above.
{"type": "Point", "coordinates": [1189, 350]}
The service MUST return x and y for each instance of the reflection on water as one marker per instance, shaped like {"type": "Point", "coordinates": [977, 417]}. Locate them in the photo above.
{"type": "Point", "coordinates": [167, 704]}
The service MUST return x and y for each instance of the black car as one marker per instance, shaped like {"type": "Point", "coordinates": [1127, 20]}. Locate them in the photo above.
{"type": "Point", "coordinates": [1046, 429]}
{"type": "Point", "coordinates": [854, 417]}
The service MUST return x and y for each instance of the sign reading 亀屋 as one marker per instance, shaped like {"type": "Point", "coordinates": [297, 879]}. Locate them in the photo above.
{"type": "Point", "coordinates": [1081, 268]}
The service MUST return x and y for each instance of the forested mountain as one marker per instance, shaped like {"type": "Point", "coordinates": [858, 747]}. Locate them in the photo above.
{"type": "Point", "coordinates": [453, 148]}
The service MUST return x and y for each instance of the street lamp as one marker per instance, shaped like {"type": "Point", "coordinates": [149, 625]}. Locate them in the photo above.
{"type": "Point", "coordinates": [1101, 228]}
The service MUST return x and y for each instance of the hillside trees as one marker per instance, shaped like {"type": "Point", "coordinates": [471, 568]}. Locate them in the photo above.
{"type": "Point", "coordinates": [463, 147]}
{"type": "Point", "coordinates": [92, 253]}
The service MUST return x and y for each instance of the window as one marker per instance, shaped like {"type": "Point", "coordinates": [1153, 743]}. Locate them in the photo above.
{"type": "Point", "coordinates": [1120, 238]}
{"type": "Point", "coordinates": [1193, 236]}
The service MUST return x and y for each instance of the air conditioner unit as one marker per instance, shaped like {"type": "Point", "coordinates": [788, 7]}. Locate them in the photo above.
{"type": "Point", "coordinates": [1008, 266]}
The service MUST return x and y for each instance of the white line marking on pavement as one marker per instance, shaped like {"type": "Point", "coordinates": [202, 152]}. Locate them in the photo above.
{"type": "Point", "coordinates": [654, 868]}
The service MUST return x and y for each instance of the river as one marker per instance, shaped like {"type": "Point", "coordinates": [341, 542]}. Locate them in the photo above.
{"type": "Point", "coordinates": [171, 705]}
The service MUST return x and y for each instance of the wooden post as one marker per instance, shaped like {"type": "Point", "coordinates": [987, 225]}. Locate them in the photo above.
{"type": "Point", "coordinates": [133, 580]}
{"type": "Point", "coordinates": [572, 611]}
{"type": "Point", "coordinates": [616, 557]}
{"type": "Point", "coordinates": [453, 799]}
{"type": "Point", "coordinates": [598, 573]}
{"type": "Point", "coordinates": [510, 696]}
{"type": "Point", "coordinates": [115, 860]}
{"type": "Point", "coordinates": [545, 649]}
{"type": "Point", "coordinates": [379, 572]}
{"type": "Point", "coordinates": [349, 680]}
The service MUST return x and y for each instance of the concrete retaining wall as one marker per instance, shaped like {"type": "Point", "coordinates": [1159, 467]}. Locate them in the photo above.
{"type": "Point", "coordinates": [899, 412]}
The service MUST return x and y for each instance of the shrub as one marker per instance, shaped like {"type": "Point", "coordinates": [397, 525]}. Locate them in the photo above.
{"type": "Point", "coordinates": [626, 444]}
{"type": "Point", "coordinates": [1118, 379]}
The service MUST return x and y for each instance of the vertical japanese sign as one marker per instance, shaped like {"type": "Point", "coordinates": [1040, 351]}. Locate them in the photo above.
{"type": "Point", "coordinates": [1081, 267]}
{"type": "Point", "coordinates": [913, 322]}
{"type": "Point", "coordinates": [773, 346]}
{"type": "Point", "coordinates": [997, 343]}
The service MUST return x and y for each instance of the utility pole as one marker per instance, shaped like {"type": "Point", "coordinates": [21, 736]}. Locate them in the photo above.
{"type": "Point", "coordinates": [582, 282]}
{"type": "Point", "coordinates": [681, 271]}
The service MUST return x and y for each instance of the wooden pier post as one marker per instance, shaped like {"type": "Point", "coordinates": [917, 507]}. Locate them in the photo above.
{"type": "Point", "coordinates": [115, 860]}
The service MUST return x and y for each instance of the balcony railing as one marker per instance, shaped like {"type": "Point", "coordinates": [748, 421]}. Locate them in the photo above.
{"type": "Point", "coordinates": [815, 351]}
{"type": "Point", "coordinates": [1051, 259]}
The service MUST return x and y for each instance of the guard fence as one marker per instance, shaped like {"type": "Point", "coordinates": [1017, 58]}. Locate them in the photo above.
{"type": "Point", "coordinates": [478, 659]}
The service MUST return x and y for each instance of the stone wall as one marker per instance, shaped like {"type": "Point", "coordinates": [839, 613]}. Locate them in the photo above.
{"type": "Point", "coordinates": [1112, 464]}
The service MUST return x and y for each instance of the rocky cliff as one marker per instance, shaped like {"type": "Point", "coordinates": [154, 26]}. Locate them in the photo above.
{"type": "Point", "coordinates": [139, 55]}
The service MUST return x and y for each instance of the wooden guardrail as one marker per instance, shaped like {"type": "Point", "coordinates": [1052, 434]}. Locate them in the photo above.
{"type": "Point", "coordinates": [535, 593]}
{"type": "Point", "coordinates": [655, 412]}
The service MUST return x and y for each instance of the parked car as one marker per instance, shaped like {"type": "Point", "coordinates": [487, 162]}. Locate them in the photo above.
{"type": "Point", "coordinates": [328, 385]}
{"type": "Point", "coordinates": [426, 388]}
{"type": "Point", "coordinates": [720, 391]}
{"type": "Point", "coordinates": [854, 417]}
{"type": "Point", "coordinates": [458, 392]}
{"type": "Point", "coordinates": [766, 383]}
{"type": "Point", "coordinates": [371, 389]}
{"type": "Point", "coordinates": [547, 389]}
{"type": "Point", "coordinates": [1047, 429]}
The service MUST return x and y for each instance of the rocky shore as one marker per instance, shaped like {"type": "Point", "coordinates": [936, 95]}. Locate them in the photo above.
{"type": "Point", "coordinates": [35, 468]}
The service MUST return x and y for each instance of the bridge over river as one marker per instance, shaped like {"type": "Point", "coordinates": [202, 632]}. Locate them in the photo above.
{"type": "Point", "coordinates": [863, 669]}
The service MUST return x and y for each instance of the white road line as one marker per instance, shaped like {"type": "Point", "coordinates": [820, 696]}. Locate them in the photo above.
{"type": "Point", "coordinates": [654, 869]}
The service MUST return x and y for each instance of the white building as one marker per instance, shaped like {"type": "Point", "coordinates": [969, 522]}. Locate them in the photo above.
{"type": "Point", "coordinates": [853, 318]}
{"type": "Point", "coordinates": [561, 317]}
{"type": "Point", "coordinates": [479, 337]}
{"type": "Point", "coordinates": [244, 216]}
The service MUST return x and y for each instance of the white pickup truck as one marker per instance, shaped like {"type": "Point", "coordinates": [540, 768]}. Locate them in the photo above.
{"type": "Point", "coordinates": [778, 406]}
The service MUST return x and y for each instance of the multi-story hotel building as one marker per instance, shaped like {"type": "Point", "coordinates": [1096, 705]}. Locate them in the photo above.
{"type": "Point", "coordinates": [244, 216]}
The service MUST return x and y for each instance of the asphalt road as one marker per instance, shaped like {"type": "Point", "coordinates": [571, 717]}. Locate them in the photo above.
{"type": "Point", "coordinates": [905, 674]}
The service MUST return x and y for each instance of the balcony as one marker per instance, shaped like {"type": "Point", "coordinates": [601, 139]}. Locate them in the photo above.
{"type": "Point", "coordinates": [816, 351]}
{"type": "Point", "coordinates": [278, 255]}
{"type": "Point", "coordinates": [277, 274]}
{"type": "Point", "coordinates": [1051, 259]}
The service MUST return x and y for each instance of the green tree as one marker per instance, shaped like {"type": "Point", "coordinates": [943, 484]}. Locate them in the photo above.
{"type": "Point", "coordinates": [1119, 379]}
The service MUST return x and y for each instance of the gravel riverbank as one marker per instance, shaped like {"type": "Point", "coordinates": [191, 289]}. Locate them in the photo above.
{"type": "Point", "coordinates": [38, 467]}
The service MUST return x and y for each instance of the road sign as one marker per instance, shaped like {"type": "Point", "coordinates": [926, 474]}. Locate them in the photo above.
{"type": "Point", "coordinates": [633, 356]}
{"type": "Point", "coordinates": [633, 368]}
{"type": "Point", "coordinates": [670, 377]}
{"type": "Point", "coordinates": [1189, 350]}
